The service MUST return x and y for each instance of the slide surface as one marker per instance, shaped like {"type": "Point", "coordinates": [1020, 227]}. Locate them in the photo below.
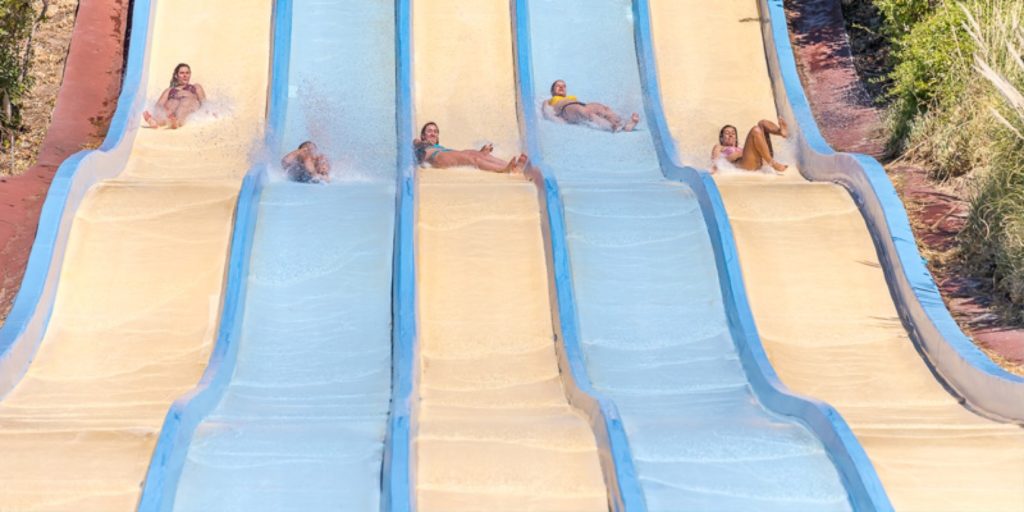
{"type": "Point", "coordinates": [137, 304]}
{"type": "Point", "coordinates": [495, 431]}
{"type": "Point", "coordinates": [816, 286]}
{"type": "Point", "coordinates": [652, 322]}
{"type": "Point", "coordinates": [301, 424]}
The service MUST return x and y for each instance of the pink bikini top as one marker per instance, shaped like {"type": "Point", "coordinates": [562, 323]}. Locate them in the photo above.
{"type": "Point", "coordinates": [728, 151]}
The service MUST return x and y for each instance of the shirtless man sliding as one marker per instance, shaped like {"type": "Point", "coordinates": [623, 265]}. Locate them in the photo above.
{"type": "Point", "coordinates": [307, 165]}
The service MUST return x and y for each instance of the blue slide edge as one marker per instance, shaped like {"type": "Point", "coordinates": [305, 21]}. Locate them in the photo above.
{"type": "Point", "coordinates": [398, 479]}
{"type": "Point", "coordinates": [188, 411]}
{"type": "Point", "coordinates": [987, 388]}
{"type": "Point", "coordinates": [26, 324]}
{"type": "Point", "coordinates": [859, 476]}
{"type": "Point", "coordinates": [618, 468]}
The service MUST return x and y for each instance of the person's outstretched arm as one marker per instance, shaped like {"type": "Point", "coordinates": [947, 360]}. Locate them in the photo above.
{"type": "Point", "coordinates": [290, 159]}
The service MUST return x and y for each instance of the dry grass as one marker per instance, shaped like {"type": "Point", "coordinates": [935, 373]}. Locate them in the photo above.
{"type": "Point", "coordinates": [50, 44]}
{"type": "Point", "coordinates": [994, 236]}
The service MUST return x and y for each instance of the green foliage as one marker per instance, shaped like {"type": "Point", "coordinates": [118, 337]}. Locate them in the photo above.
{"type": "Point", "coordinates": [932, 59]}
{"type": "Point", "coordinates": [902, 15]}
{"type": "Point", "coordinates": [957, 91]}
{"type": "Point", "coordinates": [16, 19]}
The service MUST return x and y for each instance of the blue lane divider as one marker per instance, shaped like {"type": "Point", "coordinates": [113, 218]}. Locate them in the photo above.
{"type": "Point", "coordinates": [859, 476]}
{"type": "Point", "coordinates": [619, 471]}
{"type": "Point", "coordinates": [160, 486]}
{"type": "Point", "coordinates": [966, 370]}
{"type": "Point", "coordinates": [26, 324]}
{"type": "Point", "coordinates": [398, 479]}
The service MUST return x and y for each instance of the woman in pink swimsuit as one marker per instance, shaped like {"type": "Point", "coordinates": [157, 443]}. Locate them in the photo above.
{"type": "Point", "coordinates": [756, 152]}
{"type": "Point", "coordinates": [179, 101]}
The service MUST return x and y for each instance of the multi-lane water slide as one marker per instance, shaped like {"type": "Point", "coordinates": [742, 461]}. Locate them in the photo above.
{"type": "Point", "coordinates": [679, 361]}
{"type": "Point", "coordinates": [495, 431]}
{"type": "Point", "coordinates": [682, 459]}
{"type": "Point", "coordinates": [294, 415]}
{"type": "Point", "coordinates": [817, 285]}
{"type": "Point", "coordinates": [130, 256]}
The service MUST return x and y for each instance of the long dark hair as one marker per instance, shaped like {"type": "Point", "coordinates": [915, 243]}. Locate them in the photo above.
{"type": "Point", "coordinates": [553, 86]}
{"type": "Point", "coordinates": [174, 76]}
{"type": "Point", "coordinates": [420, 146]}
{"type": "Point", "coordinates": [423, 131]}
{"type": "Point", "coordinates": [721, 134]}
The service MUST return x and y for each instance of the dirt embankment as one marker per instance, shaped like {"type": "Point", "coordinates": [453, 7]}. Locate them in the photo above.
{"type": "Point", "coordinates": [50, 44]}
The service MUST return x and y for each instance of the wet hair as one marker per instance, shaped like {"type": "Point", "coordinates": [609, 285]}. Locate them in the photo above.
{"type": "Point", "coordinates": [721, 134]}
{"type": "Point", "coordinates": [306, 144]}
{"type": "Point", "coordinates": [174, 76]}
{"type": "Point", "coordinates": [553, 84]}
{"type": "Point", "coordinates": [420, 145]}
{"type": "Point", "coordinates": [423, 131]}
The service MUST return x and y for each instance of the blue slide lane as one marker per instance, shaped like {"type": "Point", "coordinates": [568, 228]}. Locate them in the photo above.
{"type": "Point", "coordinates": [653, 326]}
{"type": "Point", "coordinates": [301, 424]}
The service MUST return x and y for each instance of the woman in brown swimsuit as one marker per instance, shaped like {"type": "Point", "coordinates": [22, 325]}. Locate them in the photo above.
{"type": "Point", "coordinates": [179, 101]}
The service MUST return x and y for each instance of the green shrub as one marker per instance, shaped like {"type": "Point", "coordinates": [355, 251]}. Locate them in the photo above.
{"type": "Point", "coordinates": [932, 59]}
{"type": "Point", "coordinates": [902, 15]}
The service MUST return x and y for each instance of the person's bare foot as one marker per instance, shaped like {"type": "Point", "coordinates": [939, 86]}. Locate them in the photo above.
{"type": "Point", "coordinates": [521, 162]}
{"type": "Point", "coordinates": [783, 128]}
{"type": "Point", "coordinates": [175, 124]}
{"type": "Point", "coordinates": [779, 167]}
{"type": "Point", "coordinates": [633, 121]}
{"type": "Point", "coordinates": [150, 121]}
{"type": "Point", "coordinates": [511, 167]}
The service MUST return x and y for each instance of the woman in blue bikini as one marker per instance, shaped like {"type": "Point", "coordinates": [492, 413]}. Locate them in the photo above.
{"type": "Point", "coordinates": [430, 151]}
{"type": "Point", "coordinates": [178, 101]}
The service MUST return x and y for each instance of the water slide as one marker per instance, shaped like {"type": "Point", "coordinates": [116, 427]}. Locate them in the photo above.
{"type": "Point", "coordinates": [302, 398]}
{"type": "Point", "coordinates": [657, 335]}
{"type": "Point", "coordinates": [816, 283]}
{"type": "Point", "coordinates": [134, 241]}
{"type": "Point", "coordinates": [494, 428]}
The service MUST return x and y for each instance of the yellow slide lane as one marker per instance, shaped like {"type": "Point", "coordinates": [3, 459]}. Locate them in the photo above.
{"type": "Point", "coordinates": [136, 309]}
{"type": "Point", "coordinates": [495, 431]}
{"type": "Point", "coordinates": [815, 284]}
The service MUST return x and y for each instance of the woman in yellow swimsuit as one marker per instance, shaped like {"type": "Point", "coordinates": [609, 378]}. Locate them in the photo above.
{"type": "Point", "coordinates": [430, 151]}
{"type": "Point", "coordinates": [565, 108]}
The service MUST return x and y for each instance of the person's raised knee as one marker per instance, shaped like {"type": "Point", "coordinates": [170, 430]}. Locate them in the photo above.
{"type": "Point", "coordinates": [758, 130]}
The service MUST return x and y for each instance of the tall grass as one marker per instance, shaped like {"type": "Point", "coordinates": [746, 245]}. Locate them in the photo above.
{"type": "Point", "coordinates": [993, 240]}
{"type": "Point", "coordinates": [958, 108]}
